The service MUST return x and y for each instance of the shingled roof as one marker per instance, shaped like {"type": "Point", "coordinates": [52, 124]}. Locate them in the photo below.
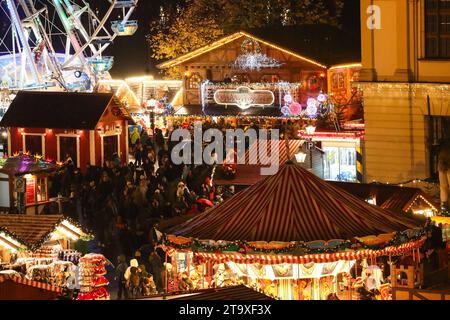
{"type": "Point", "coordinates": [61, 110]}
{"type": "Point", "coordinates": [30, 230]}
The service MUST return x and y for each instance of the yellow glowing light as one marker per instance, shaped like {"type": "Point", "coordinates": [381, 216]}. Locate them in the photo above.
{"type": "Point", "coordinates": [225, 40]}
{"type": "Point", "coordinates": [66, 233]}
{"type": "Point", "coordinates": [349, 65]}
{"type": "Point", "coordinates": [177, 95]}
{"type": "Point", "coordinates": [139, 79]}
{"type": "Point", "coordinates": [8, 242]}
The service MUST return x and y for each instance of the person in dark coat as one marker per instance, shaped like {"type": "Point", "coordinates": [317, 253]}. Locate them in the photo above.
{"type": "Point", "coordinates": [120, 276]}
{"type": "Point", "coordinates": [156, 268]}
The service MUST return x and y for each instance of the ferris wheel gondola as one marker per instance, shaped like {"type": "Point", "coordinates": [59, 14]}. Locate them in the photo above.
{"type": "Point", "coordinates": [60, 43]}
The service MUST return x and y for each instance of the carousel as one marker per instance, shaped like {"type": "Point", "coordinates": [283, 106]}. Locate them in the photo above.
{"type": "Point", "coordinates": [291, 236]}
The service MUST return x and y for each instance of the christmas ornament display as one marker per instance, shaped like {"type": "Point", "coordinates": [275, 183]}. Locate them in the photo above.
{"type": "Point", "coordinates": [92, 280]}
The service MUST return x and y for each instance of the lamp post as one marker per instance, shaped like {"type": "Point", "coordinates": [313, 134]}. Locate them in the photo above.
{"type": "Point", "coordinates": [310, 130]}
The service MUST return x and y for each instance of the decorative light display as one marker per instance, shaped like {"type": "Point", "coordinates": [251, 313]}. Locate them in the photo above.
{"type": "Point", "coordinates": [299, 247]}
{"type": "Point", "coordinates": [285, 111]}
{"type": "Point", "coordinates": [69, 226]}
{"type": "Point", "coordinates": [311, 109]}
{"type": "Point", "coordinates": [251, 57]}
{"type": "Point", "coordinates": [244, 97]}
{"type": "Point", "coordinates": [295, 108]}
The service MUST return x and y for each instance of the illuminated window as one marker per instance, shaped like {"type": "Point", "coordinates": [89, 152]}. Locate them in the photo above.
{"type": "Point", "coordinates": [338, 81]}
{"type": "Point", "coordinates": [437, 28]}
{"type": "Point", "coordinates": [194, 81]}
{"type": "Point", "coordinates": [41, 189]}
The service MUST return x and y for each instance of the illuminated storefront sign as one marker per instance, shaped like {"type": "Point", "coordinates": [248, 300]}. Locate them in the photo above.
{"type": "Point", "coordinates": [244, 97]}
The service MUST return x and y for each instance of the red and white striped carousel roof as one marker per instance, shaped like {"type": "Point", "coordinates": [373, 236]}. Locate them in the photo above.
{"type": "Point", "coordinates": [292, 205]}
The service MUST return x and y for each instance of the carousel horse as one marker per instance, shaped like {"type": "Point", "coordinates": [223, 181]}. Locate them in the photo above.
{"type": "Point", "coordinates": [444, 177]}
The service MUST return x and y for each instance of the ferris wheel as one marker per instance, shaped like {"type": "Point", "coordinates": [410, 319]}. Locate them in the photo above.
{"type": "Point", "coordinates": [60, 43]}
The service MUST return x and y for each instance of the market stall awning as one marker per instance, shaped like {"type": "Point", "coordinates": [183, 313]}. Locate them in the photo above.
{"type": "Point", "coordinates": [32, 231]}
{"type": "Point", "coordinates": [26, 164]}
{"type": "Point", "coordinates": [292, 205]}
{"type": "Point", "coordinates": [19, 288]}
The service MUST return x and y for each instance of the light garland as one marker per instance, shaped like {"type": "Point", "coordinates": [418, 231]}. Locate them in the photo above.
{"type": "Point", "coordinates": [255, 61]}
{"type": "Point", "coordinates": [251, 57]}
{"type": "Point", "coordinates": [300, 248]}
{"type": "Point", "coordinates": [48, 236]}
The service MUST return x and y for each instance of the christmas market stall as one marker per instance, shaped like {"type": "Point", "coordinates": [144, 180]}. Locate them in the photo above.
{"type": "Point", "coordinates": [24, 182]}
{"type": "Point", "coordinates": [42, 249]}
{"type": "Point", "coordinates": [291, 236]}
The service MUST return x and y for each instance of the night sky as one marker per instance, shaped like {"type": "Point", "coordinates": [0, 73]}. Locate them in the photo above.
{"type": "Point", "coordinates": [132, 53]}
{"type": "Point", "coordinates": [132, 56]}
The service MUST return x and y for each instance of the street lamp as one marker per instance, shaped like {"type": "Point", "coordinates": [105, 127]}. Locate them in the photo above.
{"type": "Point", "coordinates": [300, 157]}
{"type": "Point", "coordinates": [310, 130]}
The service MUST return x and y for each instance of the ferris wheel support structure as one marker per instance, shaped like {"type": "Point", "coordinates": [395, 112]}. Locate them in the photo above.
{"type": "Point", "coordinates": [38, 27]}
{"type": "Point", "coordinates": [100, 27]}
{"type": "Point", "coordinates": [26, 51]}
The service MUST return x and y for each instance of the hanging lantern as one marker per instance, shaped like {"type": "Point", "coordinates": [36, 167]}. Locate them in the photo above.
{"type": "Point", "coordinates": [311, 108]}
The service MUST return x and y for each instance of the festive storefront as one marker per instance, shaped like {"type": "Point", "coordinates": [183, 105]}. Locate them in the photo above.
{"type": "Point", "coordinates": [148, 100]}
{"type": "Point", "coordinates": [87, 127]}
{"type": "Point", "coordinates": [41, 250]}
{"type": "Point", "coordinates": [291, 235]}
{"type": "Point", "coordinates": [24, 183]}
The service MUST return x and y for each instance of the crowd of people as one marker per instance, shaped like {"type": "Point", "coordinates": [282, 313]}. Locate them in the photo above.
{"type": "Point", "coordinates": [122, 203]}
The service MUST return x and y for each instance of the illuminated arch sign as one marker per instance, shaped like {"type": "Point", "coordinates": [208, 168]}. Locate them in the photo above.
{"type": "Point", "coordinates": [244, 97]}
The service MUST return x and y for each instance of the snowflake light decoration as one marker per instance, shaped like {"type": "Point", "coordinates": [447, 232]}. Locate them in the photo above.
{"type": "Point", "coordinates": [251, 57]}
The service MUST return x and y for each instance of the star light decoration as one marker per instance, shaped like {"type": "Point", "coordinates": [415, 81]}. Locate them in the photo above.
{"type": "Point", "coordinates": [252, 58]}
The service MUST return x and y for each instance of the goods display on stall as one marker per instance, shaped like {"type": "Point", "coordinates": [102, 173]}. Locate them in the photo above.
{"type": "Point", "coordinates": [37, 248]}
{"type": "Point", "coordinates": [92, 278]}
{"type": "Point", "coordinates": [292, 236]}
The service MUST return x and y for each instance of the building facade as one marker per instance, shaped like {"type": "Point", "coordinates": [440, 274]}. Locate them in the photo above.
{"type": "Point", "coordinates": [405, 79]}
{"type": "Point", "coordinates": [90, 128]}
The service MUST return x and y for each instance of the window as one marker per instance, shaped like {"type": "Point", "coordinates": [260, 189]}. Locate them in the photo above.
{"type": "Point", "coordinates": [36, 190]}
{"type": "Point", "coordinates": [437, 28]}
{"type": "Point", "coordinates": [41, 189]}
{"type": "Point", "coordinates": [438, 131]}
{"type": "Point", "coordinates": [110, 147]}
{"type": "Point", "coordinates": [194, 81]}
{"type": "Point", "coordinates": [340, 163]}
{"type": "Point", "coordinates": [33, 144]}
{"type": "Point", "coordinates": [68, 147]}
{"type": "Point", "coordinates": [338, 81]}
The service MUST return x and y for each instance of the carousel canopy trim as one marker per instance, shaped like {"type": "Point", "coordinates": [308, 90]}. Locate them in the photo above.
{"type": "Point", "coordinates": [216, 44]}
{"type": "Point", "coordinates": [270, 259]}
{"type": "Point", "coordinates": [59, 110]}
{"type": "Point", "coordinates": [32, 231]}
{"type": "Point", "coordinates": [293, 205]}
{"type": "Point", "coordinates": [26, 164]}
